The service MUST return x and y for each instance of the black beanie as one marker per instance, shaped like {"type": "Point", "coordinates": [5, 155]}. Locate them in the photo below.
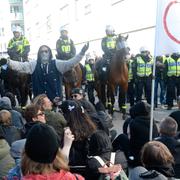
{"type": "Point", "coordinates": [42, 143]}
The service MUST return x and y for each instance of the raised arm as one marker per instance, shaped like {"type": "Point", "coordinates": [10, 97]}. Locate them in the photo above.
{"type": "Point", "coordinates": [23, 67]}
{"type": "Point", "coordinates": [64, 66]}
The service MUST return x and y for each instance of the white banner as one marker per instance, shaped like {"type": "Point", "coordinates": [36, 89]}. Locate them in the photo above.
{"type": "Point", "coordinates": [167, 38]}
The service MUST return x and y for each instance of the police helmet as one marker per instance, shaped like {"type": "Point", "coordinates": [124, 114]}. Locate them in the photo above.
{"type": "Point", "coordinates": [143, 49]}
{"type": "Point", "coordinates": [109, 30]}
{"type": "Point", "coordinates": [63, 28]}
{"type": "Point", "coordinates": [17, 29]}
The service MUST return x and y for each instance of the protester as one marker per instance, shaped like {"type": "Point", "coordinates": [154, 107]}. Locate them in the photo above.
{"type": "Point", "coordinates": [10, 132]}
{"type": "Point", "coordinates": [54, 119]}
{"type": "Point", "coordinates": [82, 128]}
{"type": "Point", "coordinates": [168, 130]}
{"type": "Point", "coordinates": [17, 119]}
{"type": "Point", "coordinates": [157, 163]}
{"type": "Point", "coordinates": [6, 161]}
{"type": "Point", "coordinates": [42, 158]}
{"type": "Point", "coordinates": [100, 145]}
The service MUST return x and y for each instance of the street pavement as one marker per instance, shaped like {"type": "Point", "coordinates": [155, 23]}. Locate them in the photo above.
{"type": "Point", "coordinates": [159, 113]}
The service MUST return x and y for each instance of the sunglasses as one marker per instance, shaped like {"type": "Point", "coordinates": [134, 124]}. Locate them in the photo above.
{"type": "Point", "coordinates": [74, 96]}
{"type": "Point", "coordinates": [40, 114]}
{"type": "Point", "coordinates": [44, 51]}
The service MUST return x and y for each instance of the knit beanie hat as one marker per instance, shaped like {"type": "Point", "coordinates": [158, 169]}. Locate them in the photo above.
{"type": "Point", "coordinates": [42, 143]}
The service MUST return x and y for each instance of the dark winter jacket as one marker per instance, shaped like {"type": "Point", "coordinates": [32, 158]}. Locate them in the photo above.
{"type": "Point", "coordinates": [174, 147]}
{"type": "Point", "coordinates": [139, 135]}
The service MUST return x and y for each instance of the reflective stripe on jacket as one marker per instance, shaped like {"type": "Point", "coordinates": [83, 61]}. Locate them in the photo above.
{"type": "Point", "coordinates": [144, 69]}
{"type": "Point", "coordinates": [173, 67]}
{"type": "Point", "coordinates": [89, 73]}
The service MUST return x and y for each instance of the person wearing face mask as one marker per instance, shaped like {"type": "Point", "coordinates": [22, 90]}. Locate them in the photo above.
{"type": "Point", "coordinates": [46, 72]}
{"type": "Point", "coordinates": [143, 66]}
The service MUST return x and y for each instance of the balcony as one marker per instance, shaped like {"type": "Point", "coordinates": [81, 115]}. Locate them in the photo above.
{"type": "Point", "coordinates": [16, 16]}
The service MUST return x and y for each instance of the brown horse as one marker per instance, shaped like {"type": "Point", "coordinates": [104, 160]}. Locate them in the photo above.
{"type": "Point", "coordinates": [72, 79]}
{"type": "Point", "coordinates": [111, 73]}
{"type": "Point", "coordinates": [18, 84]}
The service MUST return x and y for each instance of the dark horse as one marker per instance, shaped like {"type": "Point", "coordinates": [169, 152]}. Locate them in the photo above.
{"type": "Point", "coordinates": [111, 73]}
{"type": "Point", "coordinates": [72, 79]}
{"type": "Point", "coordinates": [17, 83]}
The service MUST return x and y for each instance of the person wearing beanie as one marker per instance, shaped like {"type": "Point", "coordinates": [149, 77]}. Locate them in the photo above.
{"type": "Point", "coordinates": [42, 159]}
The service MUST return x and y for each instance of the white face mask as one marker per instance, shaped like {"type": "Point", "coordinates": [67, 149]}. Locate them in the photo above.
{"type": "Point", "coordinates": [45, 55]}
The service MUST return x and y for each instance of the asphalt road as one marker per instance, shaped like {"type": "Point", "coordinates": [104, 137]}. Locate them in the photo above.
{"type": "Point", "coordinates": [158, 113]}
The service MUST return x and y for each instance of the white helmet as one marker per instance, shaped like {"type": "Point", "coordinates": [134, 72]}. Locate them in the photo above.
{"type": "Point", "coordinates": [109, 30]}
{"type": "Point", "coordinates": [90, 56]}
{"type": "Point", "coordinates": [17, 29]}
{"type": "Point", "coordinates": [63, 28]}
{"type": "Point", "coordinates": [143, 49]}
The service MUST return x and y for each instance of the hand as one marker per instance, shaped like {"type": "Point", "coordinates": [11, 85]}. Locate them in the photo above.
{"type": "Point", "coordinates": [3, 61]}
{"type": "Point", "coordinates": [68, 137]}
{"type": "Point", "coordinates": [85, 48]}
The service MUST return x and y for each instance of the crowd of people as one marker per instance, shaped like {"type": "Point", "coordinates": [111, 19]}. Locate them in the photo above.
{"type": "Point", "coordinates": [76, 138]}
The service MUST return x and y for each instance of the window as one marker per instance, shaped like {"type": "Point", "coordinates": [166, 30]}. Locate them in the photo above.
{"type": "Point", "coordinates": [15, 9]}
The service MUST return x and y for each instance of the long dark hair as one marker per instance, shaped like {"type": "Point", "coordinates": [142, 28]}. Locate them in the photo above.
{"type": "Point", "coordinates": [77, 119]}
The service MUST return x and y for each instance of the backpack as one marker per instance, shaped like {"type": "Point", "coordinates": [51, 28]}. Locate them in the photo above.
{"type": "Point", "coordinates": [109, 170]}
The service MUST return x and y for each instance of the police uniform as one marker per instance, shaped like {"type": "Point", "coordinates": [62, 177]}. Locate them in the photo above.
{"type": "Point", "coordinates": [131, 88]}
{"type": "Point", "coordinates": [108, 45]}
{"type": "Point", "coordinates": [143, 73]}
{"type": "Point", "coordinates": [172, 67]}
{"type": "Point", "coordinates": [65, 48]}
{"type": "Point", "coordinates": [18, 49]}
{"type": "Point", "coordinates": [90, 82]}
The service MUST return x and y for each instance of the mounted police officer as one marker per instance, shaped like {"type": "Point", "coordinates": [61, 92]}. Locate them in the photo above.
{"type": "Point", "coordinates": [66, 49]}
{"type": "Point", "coordinates": [172, 69]}
{"type": "Point", "coordinates": [143, 74]}
{"type": "Point", "coordinates": [18, 46]}
{"type": "Point", "coordinates": [108, 43]}
{"type": "Point", "coordinates": [65, 46]}
{"type": "Point", "coordinates": [90, 60]}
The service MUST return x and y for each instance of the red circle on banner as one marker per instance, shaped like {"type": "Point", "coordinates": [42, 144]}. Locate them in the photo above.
{"type": "Point", "coordinates": [165, 22]}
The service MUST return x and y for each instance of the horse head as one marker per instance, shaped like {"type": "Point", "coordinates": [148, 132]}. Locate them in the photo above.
{"type": "Point", "coordinates": [122, 46]}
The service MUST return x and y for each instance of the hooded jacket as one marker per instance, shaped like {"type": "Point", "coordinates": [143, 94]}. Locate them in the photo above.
{"type": "Point", "coordinates": [62, 175]}
{"type": "Point", "coordinates": [17, 119]}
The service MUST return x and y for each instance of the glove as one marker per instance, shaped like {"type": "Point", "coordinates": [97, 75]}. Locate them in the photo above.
{"type": "Point", "coordinates": [85, 48]}
{"type": "Point", "coordinates": [3, 61]}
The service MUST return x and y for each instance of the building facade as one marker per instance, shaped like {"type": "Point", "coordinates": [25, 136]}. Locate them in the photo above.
{"type": "Point", "coordinates": [86, 21]}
